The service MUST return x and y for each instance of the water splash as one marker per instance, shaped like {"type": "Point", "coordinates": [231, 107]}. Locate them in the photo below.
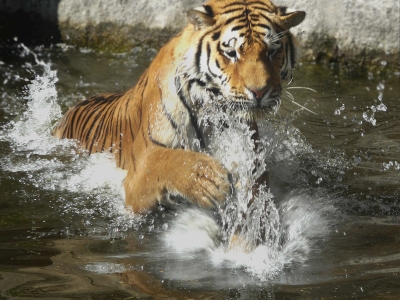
{"type": "Point", "coordinates": [301, 221]}
{"type": "Point", "coordinates": [93, 184]}
{"type": "Point", "coordinates": [31, 131]}
{"type": "Point", "coordinates": [194, 230]}
{"type": "Point", "coordinates": [259, 235]}
{"type": "Point", "coordinates": [251, 216]}
{"type": "Point", "coordinates": [90, 186]}
{"type": "Point", "coordinates": [381, 107]}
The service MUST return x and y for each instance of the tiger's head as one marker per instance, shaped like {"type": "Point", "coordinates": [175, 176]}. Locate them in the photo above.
{"type": "Point", "coordinates": [243, 53]}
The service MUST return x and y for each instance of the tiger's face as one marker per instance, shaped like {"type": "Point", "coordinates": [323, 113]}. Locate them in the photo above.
{"type": "Point", "coordinates": [244, 53]}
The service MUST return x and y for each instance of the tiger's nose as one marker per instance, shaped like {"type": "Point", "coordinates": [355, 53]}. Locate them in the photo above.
{"type": "Point", "coordinates": [259, 93]}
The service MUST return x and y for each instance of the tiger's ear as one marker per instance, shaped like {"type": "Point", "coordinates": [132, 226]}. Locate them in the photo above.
{"type": "Point", "coordinates": [289, 20]}
{"type": "Point", "coordinates": [201, 17]}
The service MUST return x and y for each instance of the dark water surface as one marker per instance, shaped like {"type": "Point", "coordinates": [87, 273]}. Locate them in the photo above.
{"type": "Point", "coordinates": [65, 234]}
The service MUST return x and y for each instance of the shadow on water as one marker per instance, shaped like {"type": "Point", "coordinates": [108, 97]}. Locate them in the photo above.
{"type": "Point", "coordinates": [64, 231]}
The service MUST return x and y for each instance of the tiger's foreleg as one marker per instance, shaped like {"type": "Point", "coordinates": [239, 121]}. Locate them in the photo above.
{"type": "Point", "coordinates": [238, 239]}
{"type": "Point", "coordinates": [263, 180]}
{"type": "Point", "coordinates": [160, 172]}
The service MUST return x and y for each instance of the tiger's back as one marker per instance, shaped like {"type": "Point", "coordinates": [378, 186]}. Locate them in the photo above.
{"type": "Point", "coordinates": [104, 122]}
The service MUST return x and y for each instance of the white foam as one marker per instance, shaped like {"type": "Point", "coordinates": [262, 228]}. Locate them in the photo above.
{"type": "Point", "coordinates": [53, 164]}
{"type": "Point", "coordinates": [104, 268]}
{"type": "Point", "coordinates": [32, 131]}
{"type": "Point", "coordinates": [194, 230]}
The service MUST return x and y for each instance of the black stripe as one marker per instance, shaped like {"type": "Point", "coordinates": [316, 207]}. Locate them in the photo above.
{"type": "Point", "coordinates": [108, 129]}
{"type": "Point", "coordinates": [284, 74]}
{"type": "Point", "coordinates": [239, 27]}
{"type": "Point", "coordinates": [208, 60]}
{"type": "Point", "coordinates": [259, 33]}
{"type": "Point", "coordinates": [102, 116]}
{"type": "Point", "coordinates": [151, 137]}
{"type": "Point", "coordinates": [263, 4]}
{"type": "Point", "coordinates": [217, 64]}
{"type": "Point", "coordinates": [214, 90]}
{"type": "Point", "coordinates": [144, 85]}
{"type": "Point", "coordinates": [89, 107]}
{"type": "Point", "coordinates": [87, 126]}
{"type": "Point", "coordinates": [219, 49]}
{"type": "Point", "coordinates": [254, 17]}
{"type": "Point", "coordinates": [236, 18]}
{"type": "Point", "coordinates": [216, 35]}
{"type": "Point", "coordinates": [265, 8]}
{"type": "Point", "coordinates": [131, 128]}
{"type": "Point", "coordinates": [232, 10]}
{"type": "Point", "coordinates": [292, 51]}
{"type": "Point", "coordinates": [120, 137]}
{"type": "Point", "coordinates": [193, 117]}
{"type": "Point", "coordinates": [262, 25]}
{"type": "Point", "coordinates": [235, 3]}
{"type": "Point", "coordinates": [209, 10]}
{"type": "Point", "coordinates": [81, 115]}
{"type": "Point", "coordinates": [169, 117]}
{"type": "Point", "coordinates": [285, 54]}
{"type": "Point", "coordinates": [156, 142]}
{"type": "Point", "coordinates": [68, 133]}
{"type": "Point", "coordinates": [209, 78]}
{"type": "Point", "coordinates": [266, 18]}
{"type": "Point", "coordinates": [100, 101]}
{"type": "Point", "coordinates": [198, 54]}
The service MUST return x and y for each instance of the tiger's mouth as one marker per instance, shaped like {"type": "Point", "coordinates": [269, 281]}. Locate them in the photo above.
{"type": "Point", "coordinates": [247, 107]}
{"type": "Point", "coordinates": [252, 111]}
{"type": "Point", "coordinates": [259, 112]}
{"type": "Point", "coordinates": [249, 104]}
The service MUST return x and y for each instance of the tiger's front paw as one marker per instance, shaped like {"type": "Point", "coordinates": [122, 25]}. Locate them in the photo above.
{"type": "Point", "coordinates": [208, 183]}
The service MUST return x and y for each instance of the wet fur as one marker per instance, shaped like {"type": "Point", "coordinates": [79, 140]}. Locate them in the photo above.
{"type": "Point", "coordinates": [155, 128]}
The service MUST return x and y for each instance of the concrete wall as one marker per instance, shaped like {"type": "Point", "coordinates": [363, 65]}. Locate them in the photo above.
{"type": "Point", "coordinates": [121, 24]}
{"type": "Point", "coordinates": [361, 31]}
{"type": "Point", "coordinates": [356, 29]}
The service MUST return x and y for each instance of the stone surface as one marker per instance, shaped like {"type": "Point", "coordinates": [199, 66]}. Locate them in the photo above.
{"type": "Point", "coordinates": [359, 31]}
{"type": "Point", "coordinates": [121, 24]}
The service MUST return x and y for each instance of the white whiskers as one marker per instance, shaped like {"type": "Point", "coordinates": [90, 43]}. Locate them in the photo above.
{"type": "Point", "coordinates": [291, 97]}
{"type": "Point", "coordinates": [277, 37]}
{"type": "Point", "coordinates": [301, 88]}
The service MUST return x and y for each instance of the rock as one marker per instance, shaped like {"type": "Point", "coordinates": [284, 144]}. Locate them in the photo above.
{"type": "Point", "coordinates": [120, 24]}
{"type": "Point", "coordinates": [354, 32]}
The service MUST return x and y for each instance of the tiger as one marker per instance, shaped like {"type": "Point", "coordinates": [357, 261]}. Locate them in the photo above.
{"type": "Point", "coordinates": [233, 54]}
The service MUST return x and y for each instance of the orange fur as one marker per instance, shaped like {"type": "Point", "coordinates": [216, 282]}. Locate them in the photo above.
{"type": "Point", "coordinates": [152, 127]}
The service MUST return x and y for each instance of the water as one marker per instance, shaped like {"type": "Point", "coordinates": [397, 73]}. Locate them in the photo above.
{"type": "Point", "coordinates": [332, 208]}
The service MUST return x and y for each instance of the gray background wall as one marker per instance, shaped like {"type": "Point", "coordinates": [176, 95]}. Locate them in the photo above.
{"type": "Point", "coordinates": [361, 31]}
